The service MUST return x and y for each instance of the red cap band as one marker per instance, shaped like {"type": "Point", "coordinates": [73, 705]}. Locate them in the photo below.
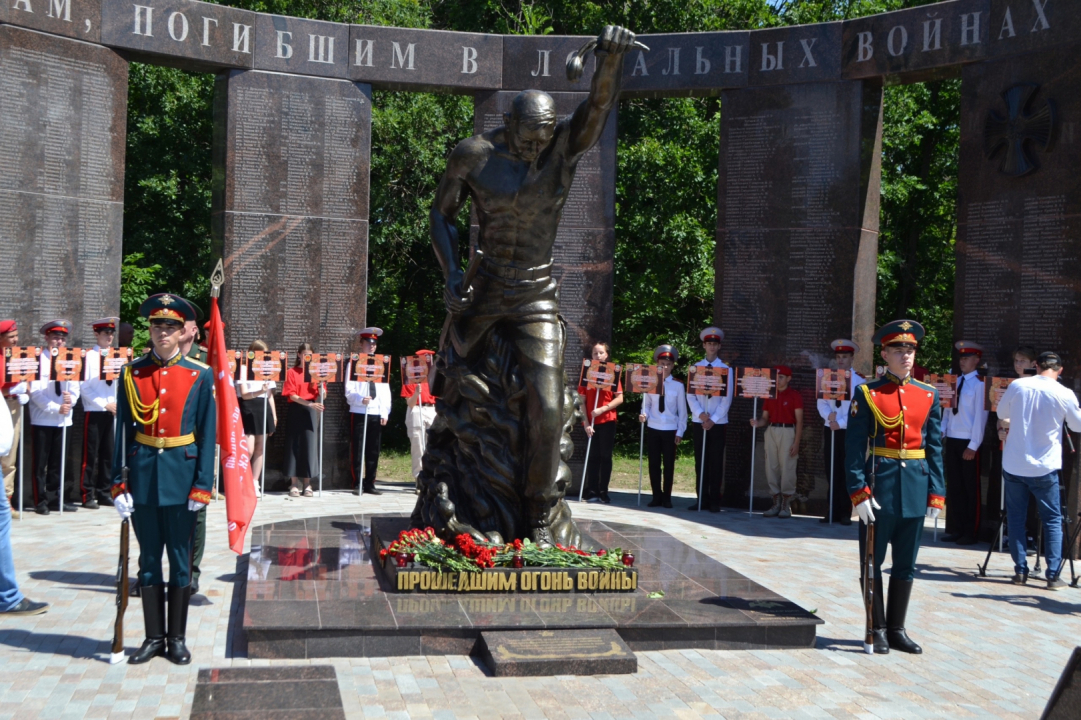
{"type": "Point", "coordinates": [844, 349]}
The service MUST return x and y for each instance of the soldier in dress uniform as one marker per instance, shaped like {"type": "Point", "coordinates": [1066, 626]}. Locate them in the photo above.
{"type": "Point", "coordinates": [963, 427]}
{"type": "Point", "coordinates": [166, 411]}
{"type": "Point", "coordinates": [52, 403]}
{"type": "Point", "coordinates": [893, 450]}
{"type": "Point", "coordinates": [835, 414]}
{"type": "Point", "coordinates": [99, 405]}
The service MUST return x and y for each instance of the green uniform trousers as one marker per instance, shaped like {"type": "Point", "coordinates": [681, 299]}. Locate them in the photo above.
{"type": "Point", "coordinates": [166, 528]}
{"type": "Point", "coordinates": [198, 544]}
{"type": "Point", "coordinates": [903, 535]}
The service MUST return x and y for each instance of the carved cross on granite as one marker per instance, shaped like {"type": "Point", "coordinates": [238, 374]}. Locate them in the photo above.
{"type": "Point", "coordinates": [1018, 127]}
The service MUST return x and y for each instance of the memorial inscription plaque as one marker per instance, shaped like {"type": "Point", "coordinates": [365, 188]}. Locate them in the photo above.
{"type": "Point", "coordinates": [291, 212]}
{"type": "Point", "coordinates": [796, 214]}
{"type": "Point", "coordinates": [556, 652]}
{"type": "Point", "coordinates": [63, 120]}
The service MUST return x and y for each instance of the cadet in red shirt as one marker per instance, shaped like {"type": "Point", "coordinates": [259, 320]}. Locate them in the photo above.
{"type": "Point", "coordinates": [603, 431]}
{"type": "Point", "coordinates": [783, 419]}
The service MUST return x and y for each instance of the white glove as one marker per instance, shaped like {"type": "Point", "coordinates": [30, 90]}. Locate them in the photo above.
{"type": "Point", "coordinates": [932, 513]}
{"type": "Point", "coordinates": [23, 398]}
{"type": "Point", "coordinates": [124, 505]}
{"type": "Point", "coordinates": [867, 515]}
{"type": "Point", "coordinates": [195, 505]}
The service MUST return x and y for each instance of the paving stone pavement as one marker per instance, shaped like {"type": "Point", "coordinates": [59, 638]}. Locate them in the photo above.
{"type": "Point", "coordinates": [990, 649]}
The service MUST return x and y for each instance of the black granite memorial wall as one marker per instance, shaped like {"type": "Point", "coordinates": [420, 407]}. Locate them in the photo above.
{"type": "Point", "coordinates": [1018, 236]}
{"type": "Point", "coordinates": [585, 241]}
{"type": "Point", "coordinates": [797, 237]}
{"type": "Point", "coordinates": [291, 214]}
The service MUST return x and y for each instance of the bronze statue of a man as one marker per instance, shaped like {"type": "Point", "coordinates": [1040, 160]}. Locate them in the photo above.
{"type": "Point", "coordinates": [495, 466]}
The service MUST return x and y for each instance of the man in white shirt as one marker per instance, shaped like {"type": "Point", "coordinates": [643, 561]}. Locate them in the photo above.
{"type": "Point", "coordinates": [1033, 410]}
{"type": "Point", "coordinates": [51, 405]}
{"type": "Point", "coordinates": [371, 402]}
{"type": "Point", "coordinates": [964, 426]}
{"type": "Point", "coordinates": [835, 415]}
{"type": "Point", "coordinates": [99, 404]}
{"type": "Point", "coordinates": [709, 415]}
{"type": "Point", "coordinates": [665, 415]}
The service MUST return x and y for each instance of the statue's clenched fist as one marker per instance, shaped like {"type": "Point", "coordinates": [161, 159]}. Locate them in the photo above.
{"type": "Point", "coordinates": [615, 39]}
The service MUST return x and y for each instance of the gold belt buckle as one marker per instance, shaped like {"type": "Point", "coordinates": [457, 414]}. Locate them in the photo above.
{"type": "Point", "coordinates": [159, 442]}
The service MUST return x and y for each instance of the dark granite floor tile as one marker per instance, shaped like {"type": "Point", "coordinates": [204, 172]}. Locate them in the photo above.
{"type": "Point", "coordinates": [685, 589]}
{"type": "Point", "coordinates": [702, 612]}
{"type": "Point", "coordinates": [631, 530]}
{"type": "Point", "coordinates": [428, 610]}
{"type": "Point", "coordinates": [334, 644]}
{"type": "Point", "coordinates": [449, 642]}
{"type": "Point", "coordinates": [566, 610]}
{"type": "Point", "coordinates": [264, 696]}
{"type": "Point", "coordinates": [499, 611]}
{"type": "Point", "coordinates": [296, 673]}
{"type": "Point", "coordinates": [364, 588]}
{"type": "Point", "coordinates": [644, 611]}
{"type": "Point", "coordinates": [325, 714]}
{"type": "Point", "coordinates": [356, 614]}
{"type": "Point", "coordinates": [741, 637]}
{"type": "Point", "coordinates": [280, 614]}
{"type": "Point", "coordinates": [276, 644]}
{"type": "Point", "coordinates": [771, 611]}
{"type": "Point", "coordinates": [796, 636]}
{"type": "Point", "coordinates": [391, 645]}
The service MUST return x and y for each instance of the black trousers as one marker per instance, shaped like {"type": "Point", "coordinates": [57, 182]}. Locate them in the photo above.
{"type": "Point", "coordinates": [714, 459]}
{"type": "Point", "coordinates": [962, 489]}
{"type": "Point", "coordinates": [842, 504]}
{"type": "Point", "coordinates": [661, 445]}
{"type": "Point", "coordinates": [47, 451]}
{"type": "Point", "coordinates": [371, 451]}
{"type": "Point", "coordinates": [599, 471]}
{"type": "Point", "coordinates": [96, 476]}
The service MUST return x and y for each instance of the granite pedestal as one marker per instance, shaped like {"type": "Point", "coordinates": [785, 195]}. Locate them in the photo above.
{"type": "Point", "coordinates": [313, 591]}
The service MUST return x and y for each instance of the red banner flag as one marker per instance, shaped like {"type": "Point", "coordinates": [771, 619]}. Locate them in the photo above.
{"type": "Point", "coordinates": [236, 474]}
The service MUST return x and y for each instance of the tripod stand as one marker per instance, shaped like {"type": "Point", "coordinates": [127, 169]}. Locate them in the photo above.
{"type": "Point", "coordinates": [1069, 537]}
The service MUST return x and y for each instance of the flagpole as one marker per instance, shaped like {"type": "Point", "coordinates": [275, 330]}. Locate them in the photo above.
{"type": "Point", "coordinates": [641, 444]}
{"type": "Point", "coordinates": [589, 443]}
{"type": "Point", "coordinates": [322, 397]}
{"type": "Point", "coordinates": [833, 438]}
{"type": "Point", "coordinates": [754, 437]}
{"type": "Point", "coordinates": [63, 459]}
{"type": "Point", "coordinates": [22, 455]}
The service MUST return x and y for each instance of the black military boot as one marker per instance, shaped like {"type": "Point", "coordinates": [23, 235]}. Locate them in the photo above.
{"type": "Point", "coordinates": [900, 591]}
{"type": "Point", "coordinates": [154, 619]}
{"type": "Point", "coordinates": [878, 619]}
{"type": "Point", "coordinates": [175, 649]}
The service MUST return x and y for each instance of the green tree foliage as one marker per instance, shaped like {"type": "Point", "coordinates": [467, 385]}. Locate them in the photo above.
{"type": "Point", "coordinates": [167, 182]}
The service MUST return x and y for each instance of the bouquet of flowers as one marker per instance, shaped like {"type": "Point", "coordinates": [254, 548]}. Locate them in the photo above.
{"type": "Point", "coordinates": [465, 554]}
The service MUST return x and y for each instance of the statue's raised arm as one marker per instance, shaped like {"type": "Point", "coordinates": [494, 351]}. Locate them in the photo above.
{"type": "Point", "coordinates": [589, 119]}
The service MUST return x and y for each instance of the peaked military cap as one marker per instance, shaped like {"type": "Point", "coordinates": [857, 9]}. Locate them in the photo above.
{"type": "Point", "coordinates": [165, 306]}
{"type": "Point", "coordinates": [105, 323]}
{"type": "Point", "coordinates": [665, 351]}
{"type": "Point", "coordinates": [711, 334]}
{"type": "Point", "coordinates": [899, 332]}
{"type": "Point", "coordinates": [844, 345]}
{"type": "Point", "coordinates": [370, 333]}
{"type": "Point", "coordinates": [967, 347]}
{"type": "Point", "coordinates": [60, 326]}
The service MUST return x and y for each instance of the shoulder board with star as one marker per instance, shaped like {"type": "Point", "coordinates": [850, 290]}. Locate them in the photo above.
{"type": "Point", "coordinates": [922, 385]}
{"type": "Point", "coordinates": [193, 361]}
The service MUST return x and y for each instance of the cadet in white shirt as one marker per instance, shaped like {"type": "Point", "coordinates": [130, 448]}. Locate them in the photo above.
{"type": "Point", "coordinates": [710, 415]}
{"type": "Point", "coordinates": [665, 415]}
{"type": "Point", "coordinates": [963, 426]}
{"type": "Point", "coordinates": [258, 413]}
{"type": "Point", "coordinates": [51, 404]}
{"type": "Point", "coordinates": [371, 402]}
{"type": "Point", "coordinates": [99, 404]}
{"type": "Point", "coordinates": [1033, 410]}
{"type": "Point", "coordinates": [835, 415]}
